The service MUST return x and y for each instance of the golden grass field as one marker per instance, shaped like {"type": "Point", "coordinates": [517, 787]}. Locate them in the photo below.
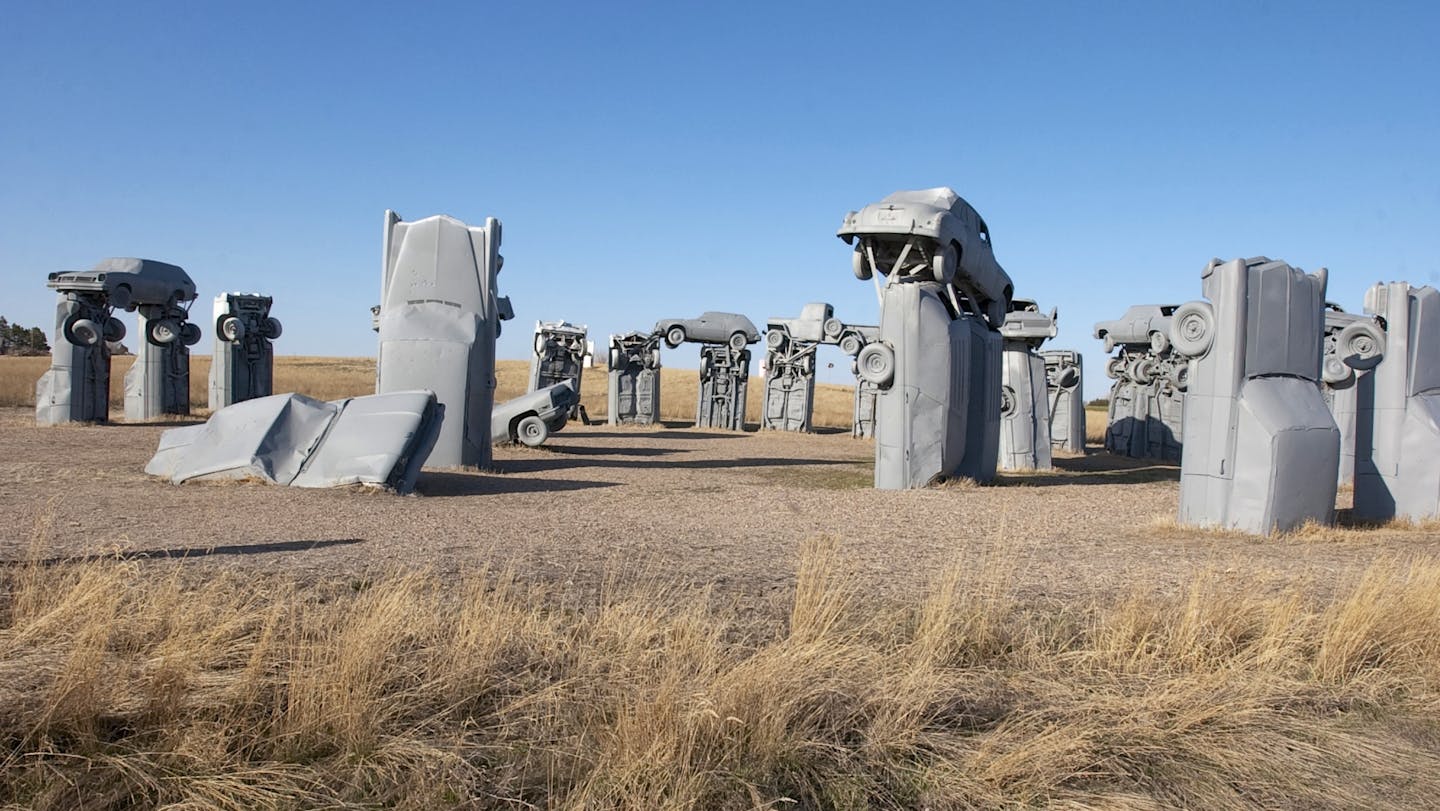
{"type": "Point", "coordinates": [1048, 642]}
{"type": "Point", "coordinates": [122, 688]}
{"type": "Point", "coordinates": [334, 378]}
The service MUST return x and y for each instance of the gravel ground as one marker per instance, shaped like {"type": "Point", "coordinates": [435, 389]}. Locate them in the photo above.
{"type": "Point", "coordinates": [702, 507]}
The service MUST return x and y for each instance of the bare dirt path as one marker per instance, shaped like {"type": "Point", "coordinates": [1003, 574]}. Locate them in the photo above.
{"type": "Point", "coordinates": [704, 507]}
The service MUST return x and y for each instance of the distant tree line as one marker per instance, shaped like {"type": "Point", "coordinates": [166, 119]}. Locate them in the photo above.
{"type": "Point", "coordinates": [18, 340]}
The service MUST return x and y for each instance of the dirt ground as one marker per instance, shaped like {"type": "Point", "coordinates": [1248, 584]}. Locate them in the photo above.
{"type": "Point", "coordinates": [701, 507]}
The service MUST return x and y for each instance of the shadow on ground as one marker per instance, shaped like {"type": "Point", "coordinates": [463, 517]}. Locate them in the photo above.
{"type": "Point", "coordinates": [1095, 468]}
{"type": "Point", "coordinates": [442, 484]}
{"type": "Point", "coordinates": [262, 548]}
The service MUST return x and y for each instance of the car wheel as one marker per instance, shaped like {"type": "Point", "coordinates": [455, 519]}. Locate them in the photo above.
{"type": "Point", "coordinates": [231, 328]}
{"type": "Point", "coordinates": [121, 297]}
{"type": "Point", "coordinates": [859, 264]}
{"type": "Point", "coordinates": [539, 345]}
{"type": "Point", "coordinates": [617, 359]}
{"type": "Point", "coordinates": [850, 345]}
{"type": "Point", "coordinates": [1334, 371]}
{"type": "Point", "coordinates": [189, 333]}
{"type": "Point", "coordinates": [1115, 368]}
{"type": "Point", "coordinates": [738, 341]}
{"type": "Point", "coordinates": [1066, 377]}
{"type": "Point", "coordinates": [162, 331]}
{"type": "Point", "coordinates": [833, 327]}
{"type": "Point", "coordinates": [1142, 370]}
{"type": "Point", "coordinates": [1109, 343]}
{"type": "Point", "coordinates": [532, 431]}
{"type": "Point", "coordinates": [654, 359]}
{"type": "Point", "coordinates": [1192, 328]}
{"type": "Point", "coordinates": [943, 264]}
{"type": "Point", "coordinates": [82, 331]}
{"type": "Point", "coordinates": [876, 364]}
{"type": "Point", "coordinates": [1007, 401]}
{"type": "Point", "coordinates": [774, 338]}
{"type": "Point", "coordinates": [1361, 345]}
{"type": "Point", "coordinates": [1159, 342]}
{"type": "Point", "coordinates": [675, 336]}
{"type": "Point", "coordinates": [271, 328]}
{"type": "Point", "coordinates": [114, 330]}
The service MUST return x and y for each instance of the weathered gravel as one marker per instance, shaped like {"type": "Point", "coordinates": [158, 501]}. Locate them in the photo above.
{"type": "Point", "coordinates": [702, 507]}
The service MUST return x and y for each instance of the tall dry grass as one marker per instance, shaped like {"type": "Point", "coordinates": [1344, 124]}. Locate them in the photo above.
{"type": "Point", "coordinates": [335, 378]}
{"type": "Point", "coordinates": [123, 686]}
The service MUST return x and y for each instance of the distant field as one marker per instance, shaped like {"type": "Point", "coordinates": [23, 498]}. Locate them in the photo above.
{"type": "Point", "coordinates": [333, 378]}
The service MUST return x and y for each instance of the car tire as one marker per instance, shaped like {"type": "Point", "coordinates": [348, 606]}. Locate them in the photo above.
{"type": "Point", "coordinates": [114, 330]}
{"type": "Point", "coordinates": [1066, 376]}
{"type": "Point", "coordinates": [121, 298]}
{"type": "Point", "coordinates": [531, 431]}
{"type": "Point", "coordinates": [1115, 368]}
{"type": "Point", "coordinates": [82, 331]}
{"type": "Point", "coordinates": [162, 331]}
{"type": "Point", "coordinates": [654, 359]}
{"type": "Point", "coordinates": [1142, 371]}
{"type": "Point", "coordinates": [1159, 342]}
{"type": "Point", "coordinates": [190, 333]}
{"type": "Point", "coordinates": [851, 345]}
{"type": "Point", "coordinates": [944, 263]}
{"type": "Point", "coordinates": [833, 327]}
{"type": "Point", "coordinates": [1335, 371]}
{"type": "Point", "coordinates": [738, 341]}
{"type": "Point", "coordinates": [271, 328]}
{"type": "Point", "coordinates": [230, 328]}
{"type": "Point", "coordinates": [1007, 401]}
{"type": "Point", "coordinates": [860, 264]}
{"type": "Point", "coordinates": [1108, 343]}
{"type": "Point", "coordinates": [1361, 345]}
{"type": "Point", "coordinates": [774, 338]}
{"type": "Point", "coordinates": [539, 345]}
{"type": "Point", "coordinates": [675, 336]}
{"type": "Point", "coordinates": [617, 358]}
{"type": "Point", "coordinates": [1192, 328]}
{"type": "Point", "coordinates": [876, 364]}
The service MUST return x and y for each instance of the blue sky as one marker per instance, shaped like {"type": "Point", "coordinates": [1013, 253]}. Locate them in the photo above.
{"type": "Point", "coordinates": [657, 160]}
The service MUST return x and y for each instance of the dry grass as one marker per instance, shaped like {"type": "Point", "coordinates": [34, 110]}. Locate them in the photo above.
{"type": "Point", "coordinates": [1096, 421]}
{"type": "Point", "coordinates": [123, 686]}
{"type": "Point", "coordinates": [334, 378]}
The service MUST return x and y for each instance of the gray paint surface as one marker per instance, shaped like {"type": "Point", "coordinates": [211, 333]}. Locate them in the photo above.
{"type": "Point", "coordinates": [76, 387]}
{"type": "Point", "coordinates": [1147, 399]}
{"type": "Point", "coordinates": [532, 417]}
{"type": "Point", "coordinates": [1024, 400]}
{"type": "Point", "coordinates": [862, 424]}
{"type": "Point", "coordinates": [936, 364]}
{"type": "Point", "coordinates": [559, 357]}
{"type": "Point", "coordinates": [291, 439]}
{"type": "Point", "coordinates": [724, 381]}
{"type": "Point", "coordinates": [1065, 386]}
{"type": "Point", "coordinates": [1261, 449]}
{"type": "Point", "coordinates": [1349, 353]}
{"type": "Point", "coordinates": [243, 364]}
{"type": "Point", "coordinates": [439, 315]}
{"type": "Point", "coordinates": [790, 363]}
{"type": "Point", "coordinates": [1397, 437]}
{"type": "Point", "coordinates": [634, 392]}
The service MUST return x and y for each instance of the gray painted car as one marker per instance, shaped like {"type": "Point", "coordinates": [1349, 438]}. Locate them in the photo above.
{"type": "Point", "coordinates": [130, 282]}
{"type": "Point", "coordinates": [1141, 324]}
{"type": "Point", "coordinates": [953, 247]}
{"type": "Point", "coordinates": [710, 328]}
{"type": "Point", "coordinates": [531, 418]}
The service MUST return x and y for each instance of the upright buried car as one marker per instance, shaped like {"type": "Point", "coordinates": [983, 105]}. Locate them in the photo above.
{"type": "Point", "coordinates": [936, 363]}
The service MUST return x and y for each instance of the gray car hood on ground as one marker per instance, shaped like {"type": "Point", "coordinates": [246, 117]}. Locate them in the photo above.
{"type": "Point", "coordinates": [291, 439]}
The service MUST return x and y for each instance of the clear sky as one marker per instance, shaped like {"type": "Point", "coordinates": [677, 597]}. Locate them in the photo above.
{"type": "Point", "coordinates": [658, 160]}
